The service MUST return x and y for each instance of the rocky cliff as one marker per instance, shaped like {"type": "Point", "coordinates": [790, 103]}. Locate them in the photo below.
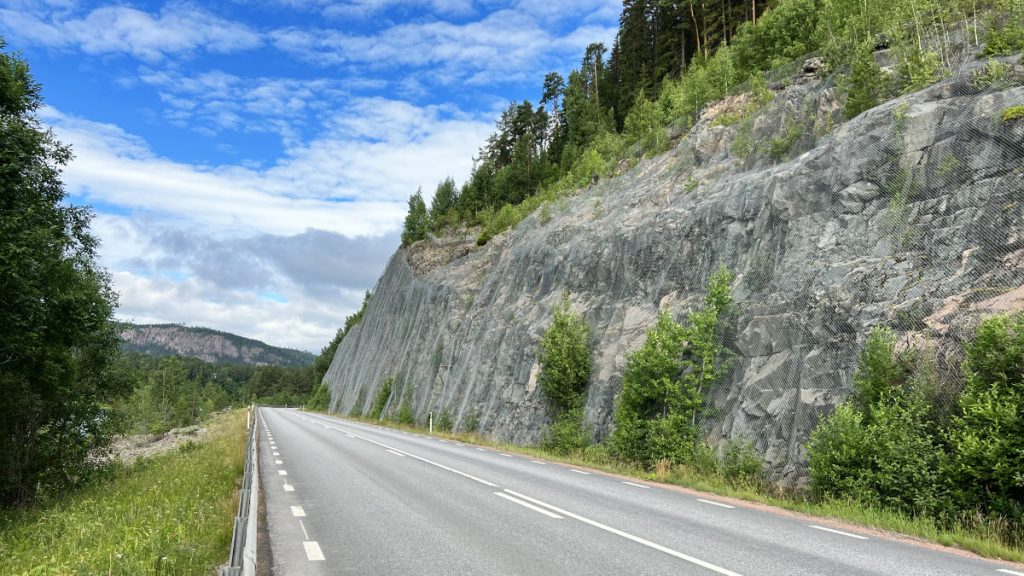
{"type": "Point", "coordinates": [206, 344]}
{"type": "Point", "coordinates": [910, 215]}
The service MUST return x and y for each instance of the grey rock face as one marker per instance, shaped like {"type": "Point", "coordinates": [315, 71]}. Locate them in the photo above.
{"type": "Point", "coordinates": [911, 215]}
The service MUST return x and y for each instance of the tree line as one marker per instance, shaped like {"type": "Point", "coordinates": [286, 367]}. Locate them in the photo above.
{"type": "Point", "coordinates": [670, 59]}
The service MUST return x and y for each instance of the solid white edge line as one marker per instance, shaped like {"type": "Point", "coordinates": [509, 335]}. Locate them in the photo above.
{"type": "Point", "coordinates": [713, 503]}
{"type": "Point", "coordinates": [313, 552]}
{"type": "Point", "coordinates": [298, 512]}
{"type": "Point", "coordinates": [395, 453]}
{"type": "Point", "coordinates": [840, 532]}
{"type": "Point", "coordinates": [579, 471]}
{"type": "Point", "coordinates": [628, 536]}
{"type": "Point", "coordinates": [506, 455]}
{"type": "Point", "coordinates": [528, 505]}
{"type": "Point", "coordinates": [1006, 571]}
{"type": "Point", "coordinates": [637, 485]}
{"type": "Point", "coordinates": [538, 462]}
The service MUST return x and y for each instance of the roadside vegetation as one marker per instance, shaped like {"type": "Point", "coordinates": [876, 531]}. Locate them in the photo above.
{"type": "Point", "coordinates": [913, 452]}
{"type": "Point", "coordinates": [170, 514]}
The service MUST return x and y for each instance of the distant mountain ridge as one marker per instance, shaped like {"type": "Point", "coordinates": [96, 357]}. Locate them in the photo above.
{"type": "Point", "coordinates": [207, 344]}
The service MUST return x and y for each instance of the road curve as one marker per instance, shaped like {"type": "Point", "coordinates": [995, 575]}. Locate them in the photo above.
{"type": "Point", "coordinates": [344, 497]}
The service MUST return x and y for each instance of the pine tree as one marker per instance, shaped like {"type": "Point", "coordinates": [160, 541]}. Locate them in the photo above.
{"type": "Point", "coordinates": [416, 220]}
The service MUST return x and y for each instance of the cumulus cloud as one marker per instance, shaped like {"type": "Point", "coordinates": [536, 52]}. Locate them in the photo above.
{"type": "Point", "coordinates": [176, 29]}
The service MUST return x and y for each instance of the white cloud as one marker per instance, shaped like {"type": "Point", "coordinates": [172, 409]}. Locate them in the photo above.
{"type": "Point", "coordinates": [177, 29]}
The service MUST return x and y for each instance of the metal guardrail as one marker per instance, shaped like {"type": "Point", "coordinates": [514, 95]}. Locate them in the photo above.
{"type": "Point", "coordinates": [242, 561]}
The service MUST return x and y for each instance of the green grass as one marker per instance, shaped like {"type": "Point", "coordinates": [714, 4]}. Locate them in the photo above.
{"type": "Point", "coordinates": [169, 514]}
{"type": "Point", "coordinates": [981, 537]}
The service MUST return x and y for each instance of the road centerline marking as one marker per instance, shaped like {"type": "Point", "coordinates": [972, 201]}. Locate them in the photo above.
{"type": "Point", "coordinates": [288, 487]}
{"type": "Point", "coordinates": [840, 532]}
{"type": "Point", "coordinates": [277, 453]}
{"type": "Point", "coordinates": [713, 503]}
{"type": "Point", "coordinates": [428, 461]}
{"type": "Point", "coordinates": [298, 512]}
{"type": "Point", "coordinates": [282, 472]}
{"type": "Point", "coordinates": [528, 505]}
{"type": "Point", "coordinates": [628, 536]}
{"type": "Point", "coordinates": [278, 462]}
{"type": "Point", "coordinates": [313, 551]}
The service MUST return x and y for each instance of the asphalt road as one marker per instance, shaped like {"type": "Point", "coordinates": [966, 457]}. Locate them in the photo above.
{"type": "Point", "coordinates": [348, 498]}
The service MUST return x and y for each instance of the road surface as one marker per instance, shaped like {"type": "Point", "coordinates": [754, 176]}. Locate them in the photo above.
{"type": "Point", "coordinates": [349, 498]}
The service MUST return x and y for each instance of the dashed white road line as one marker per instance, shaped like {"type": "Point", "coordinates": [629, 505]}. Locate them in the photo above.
{"type": "Point", "coordinates": [628, 536]}
{"type": "Point", "coordinates": [840, 532]}
{"type": "Point", "coordinates": [282, 472]}
{"type": "Point", "coordinates": [277, 453]}
{"type": "Point", "coordinates": [713, 503]}
{"type": "Point", "coordinates": [395, 453]}
{"type": "Point", "coordinates": [528, 505]}
{"type": "Point", "coordinates": [539, 462]}
{"type": "Point", "coordinates": [278, 462]}
{"type": "Point", "coordinates": [289, 488]}
{"type": "Point", "coordinates": [506, 455]}
{"type": "Point", "coordinates": [637, 485]}
{"type": "Point", "coordinates": [298, 512]}
{"type": "Point", "coordinates": [579, 471]}
{"type": "Point", "coordinates": [481, 449]}
{"type": "Point", "coordinates": [313, 552]}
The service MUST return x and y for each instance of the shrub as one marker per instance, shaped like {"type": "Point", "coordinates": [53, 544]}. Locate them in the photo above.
{"type": "Point", "coordinates": [567, 434]}
{"type": "Point", "coordinates": [866, 85]}
{"type": "Point", "coordinates": [471, 423]}
{"type": "Point", "coordinates": [782, 34]}
{"type": "Point", "coordinates": [741, 465]}
{"type": "Point", "coordinates": [564, 359]}
{"type": "Point", "coordinates": [357, 407]}
{"type": "Point", "coordinates": [405, 414]}
{"type": "Point", "coordinates": [878, 371]}
{"type": "Point", "coordinates": [380, 402]}
{"type": "Point", "coordinates": [444, 421]}
{"type": "Point", "coordinates": [320, 399]}
{"type": "Point", "coordinates": [985, 470]}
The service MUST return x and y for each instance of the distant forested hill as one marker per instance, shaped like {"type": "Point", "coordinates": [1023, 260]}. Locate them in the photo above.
{"type": "Point", "coordinates": [206, 344]}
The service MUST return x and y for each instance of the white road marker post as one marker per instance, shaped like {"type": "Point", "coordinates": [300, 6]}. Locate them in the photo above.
{"type": "Point", "coordinates": [430, 419]}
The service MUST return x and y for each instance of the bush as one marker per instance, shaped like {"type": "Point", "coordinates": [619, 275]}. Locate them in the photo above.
{"type": "Point", "coordinates": [985, 470]}
{"type": "Point", "coordinates": [866, 85]}
{"type": "Point", "coordinates": [320, 399]}
{"type": "Point", "coordinates": [781, 35]}
{"type": "Point", "coordinates": [567, 434]}
{"type": "Point", "coordinates": [380, 402]}
{"type": "Point", "coordinates": [564, 356]}
{"type": "Point", "coordinates": [444, 421]}
{"type": "Point", "coordinates": [741, 465]}
{"type": "Point", "coordinates": [405, 414]}
{"type": "Point", "coordinates": [471, 423]}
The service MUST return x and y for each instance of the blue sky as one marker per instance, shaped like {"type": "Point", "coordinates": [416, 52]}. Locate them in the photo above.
{"type": "Point", "coordinates": [249, 161]}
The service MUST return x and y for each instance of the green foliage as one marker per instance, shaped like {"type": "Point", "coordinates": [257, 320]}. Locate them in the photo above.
{"type": "Point", "coordinates": [320, 399]}
{"type": "Point", "coordinates": [994, 76]}
{"type": "Point", "coordinates": [416, 220]}
{"type": "Point", "coordinates": [655, 417]}
{"type": "Point", "coordinates": [985, 469]}
{"type": "Point", "coordinates": [171, 514]}
{"type": "Point", "coordinates": [471, 423]}
{"type": "Point", "coordinates": [781, 35]}
{"type": "Point", "coordinates": [444, 422]}
{"type": "Point", "coordinates": [879, 372]}
{"type": "Point", "coordinates": [567, 434]}
{"type": "Point", "coordinates": [645, 124]}
{"type": "Point", "coordinates": [58, 342]}
{"type": "Point", "coordinates": [564, 357]}
{"type": "Point", "coordinates": [741, 465]}
{"type": "Point", "coordinates": [1013, 113]}
{"type": "Point", "coordinates": [405, 414]}
{"type": "Point", "coordinates": [779, 147]}
{"type": "Point", "coordinates": [866, 85]}
{"type": "Point", "coordinates": [1005, 27]}
{"type": "Point", "coordinates": [380, 401]}
{"type": "Point", "coordinates": [322, 363]}
{"type": "Point", "coordinates": [357, 406]}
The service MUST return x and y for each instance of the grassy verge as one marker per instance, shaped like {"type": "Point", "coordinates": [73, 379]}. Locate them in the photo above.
{"type": "Point", "coordinates": [983, 538]}
{"type": "Point", "coordinates": [169, 514]}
